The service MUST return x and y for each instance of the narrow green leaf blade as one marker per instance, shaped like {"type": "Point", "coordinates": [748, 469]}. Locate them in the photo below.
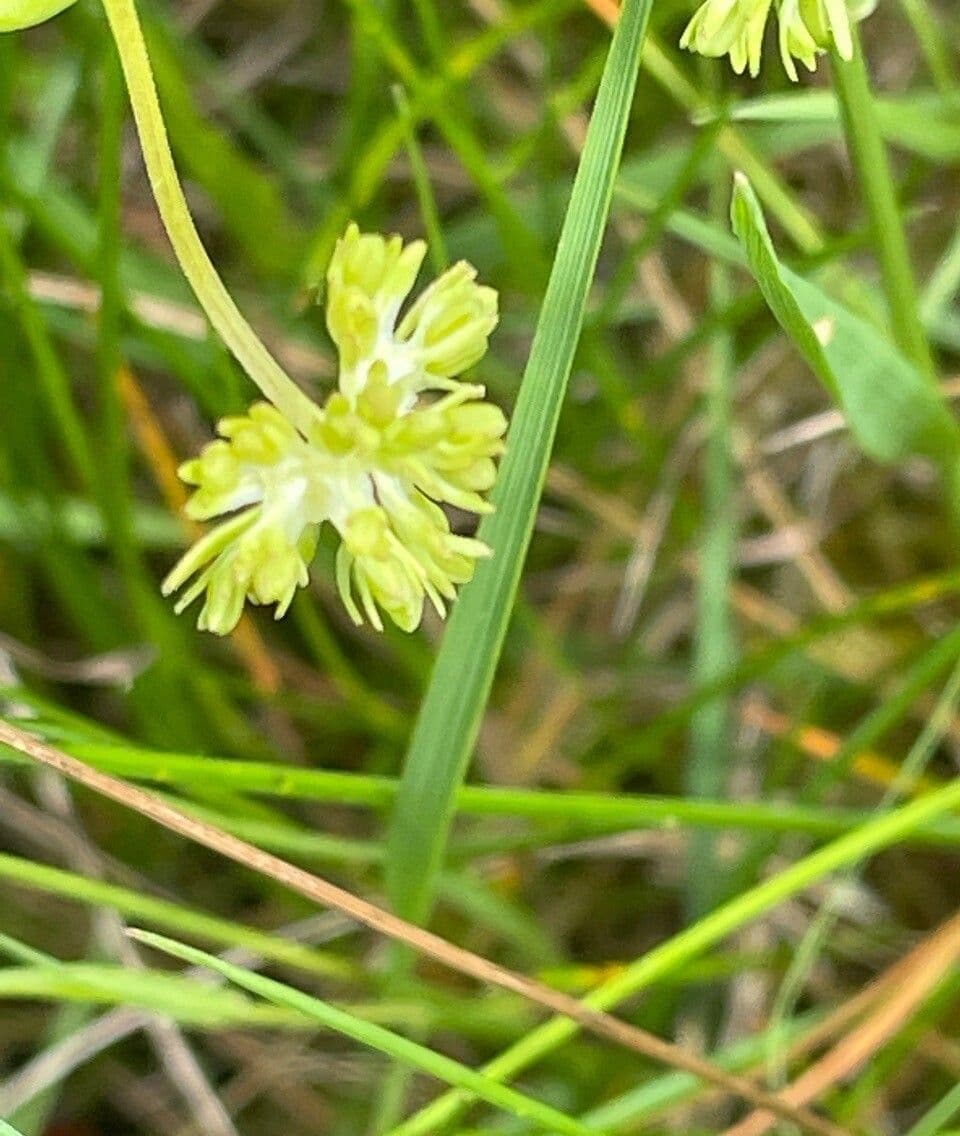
{"type": "Point", "coordinates": [164, 913]}
{"type": "Point", "coordinates": [376, 1037]}
{"type": "Point", "coordinates": [171, 995]}
{"type": "Point", "coordinates": [891, 408]}
{"type": "Point", "coordinates": [452, 709]}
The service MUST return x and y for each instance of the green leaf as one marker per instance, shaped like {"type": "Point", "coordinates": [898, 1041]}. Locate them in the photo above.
{"type": "Point", "coordinates": [376, 1037]}
{"type": "Point", "coordinates": [597, 811]}
{"type": "Point", "coordinates": [923, 122]}
{"type": "Point", "coordinates": [172, 995]}
{"type": "Point", "coordinates": [164, 913]}
{"type": "Point", "coordinates": [451, 712]}
{"type": "Point", "coordinates": [17, 14]}
{"type": "Point", "coordinates": [891, 408]}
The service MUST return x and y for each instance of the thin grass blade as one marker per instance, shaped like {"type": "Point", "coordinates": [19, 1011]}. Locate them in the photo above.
{"type": "Point", "coordinates": [376, 1037]}
{"type": "Point", "coordinates": [453, 707]}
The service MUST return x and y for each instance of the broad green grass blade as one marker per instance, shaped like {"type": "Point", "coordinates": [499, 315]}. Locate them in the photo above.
{"type": "Point", "coordinates": [893, 410]}
{"type": "Point", "coordinates": [8, 1129]}
{"type": "Point", "coordinates": [376, 1037]}
{"type": "Point", "coordinates": [451, 712]}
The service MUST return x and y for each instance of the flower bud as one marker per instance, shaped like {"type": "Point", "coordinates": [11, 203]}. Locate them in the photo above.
{"type": "Point", "coordinates": [450, 322]}
{"type": "Point", "coordinates": [796, 39]}
{"type": "Point", "coordinates": [384, 573]}
{"type": "Point", "coordinates": [829, 24]}
{"type": "Point", "coordinates": [729, 27]}
{"type": "Point", "coordinates": [368, 279]}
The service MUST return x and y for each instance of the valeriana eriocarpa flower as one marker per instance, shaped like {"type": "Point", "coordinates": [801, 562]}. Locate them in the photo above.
{"type": "Point", "coordinates": [381, 457]}
{"type": "Point", "coordinates": [810, 27]}
{"type": "Point", "coordinates": [807, 28]}
{"type": "Point", "coordinates": [729, 27]}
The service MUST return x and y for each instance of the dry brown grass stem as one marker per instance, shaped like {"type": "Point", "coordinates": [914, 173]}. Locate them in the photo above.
{"type": "Point", "coordinates": [424, 942]}
{"type": "Point", "coordinates": [917, 976]}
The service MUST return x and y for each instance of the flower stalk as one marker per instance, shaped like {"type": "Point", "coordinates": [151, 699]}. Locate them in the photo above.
{"type": "Point", "coordinates": [203, 278]}
{"type": "Point", "coordinates": [376, 461]}
{"type": "Point", "coordinates": [868, 154]}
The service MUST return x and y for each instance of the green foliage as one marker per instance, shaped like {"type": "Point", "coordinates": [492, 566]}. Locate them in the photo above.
{"type": "Point", "coordinates": [238, 187]}
{"type": "Point", "coordinates": [180, 998]}
{"type": "Point", "coordinates": [892, 409]}
{"type": "Point", "coordinates": [705, 685]}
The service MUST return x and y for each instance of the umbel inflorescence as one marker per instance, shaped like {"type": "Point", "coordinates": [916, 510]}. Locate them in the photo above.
{"type": "Point", "coordinates": [807, 28]}
{"type": "Point", "coordinates": [379, 458]}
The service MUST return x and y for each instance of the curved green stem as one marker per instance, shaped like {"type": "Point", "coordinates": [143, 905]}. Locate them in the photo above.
{"type": "Point", "coordinates": [210, 290]}
{"type": "Point", "coordinates": [869, 157]}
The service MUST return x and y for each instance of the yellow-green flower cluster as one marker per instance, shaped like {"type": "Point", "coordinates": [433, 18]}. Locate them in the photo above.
{"type": "Point", "coordinates": [377, 464]}
{"type": "Point", "coordinates": [807, 28]}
